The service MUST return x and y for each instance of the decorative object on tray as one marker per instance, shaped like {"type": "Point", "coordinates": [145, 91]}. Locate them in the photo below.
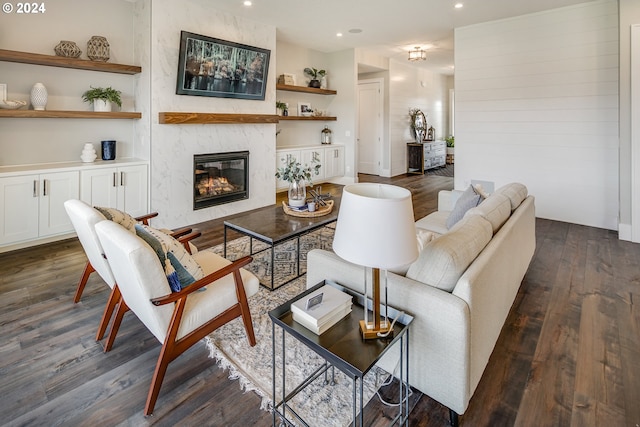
{"type": "Point", "coordinates": [303, 211]}
{"type": "Point", "coordinates": [98, 49]}
{"type": "Point", "coordinates": [298, 178]}
{"type": "Point", "coordinates": [88, 153]}
{"type": "Point", "coordinates": [39, 97]}
{"type": "Point", "coordinates": [315, 75]}
{"type": "Point", "coordinates": [102, 98]}
{"type": "Point", "coordinates": [67, 49]}
{"type": "Point", "coordinates": [304, 109]}
{"type": "Point", "coordinates": [12, 105]}
{"type": "Point", "coordinates": [321, 309]}
{"type": "Point", "coordinates": [418, 124]}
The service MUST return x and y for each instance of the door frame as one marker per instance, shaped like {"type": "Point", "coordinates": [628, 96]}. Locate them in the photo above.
{"type": "Point", "coordinates": [382, 171]}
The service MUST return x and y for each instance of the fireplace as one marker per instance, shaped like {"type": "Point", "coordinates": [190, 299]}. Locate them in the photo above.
{"type": "Point", "coordinates": [220, 178]}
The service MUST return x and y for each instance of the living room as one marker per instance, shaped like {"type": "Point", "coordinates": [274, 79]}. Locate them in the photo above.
{"type": "Point", "coordinates": [168, 149]}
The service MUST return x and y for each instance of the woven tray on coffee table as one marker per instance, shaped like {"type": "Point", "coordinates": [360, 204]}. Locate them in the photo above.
{"type": "Point", "coordinates": [320, 210]}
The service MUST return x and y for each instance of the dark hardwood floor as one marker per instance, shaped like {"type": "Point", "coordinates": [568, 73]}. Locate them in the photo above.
{"type": "Point", "coordinates": [568, 355]}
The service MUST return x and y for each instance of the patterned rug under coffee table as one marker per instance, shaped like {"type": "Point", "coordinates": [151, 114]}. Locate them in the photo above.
{"type": "Point", "coordinates": [319, 404]}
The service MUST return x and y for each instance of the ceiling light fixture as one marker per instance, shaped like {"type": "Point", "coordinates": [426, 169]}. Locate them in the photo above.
{"type": "Point", "coordinates": [339, 35]}
{"type": "Point", "coordinates": [417, 54]}
{"type": "Point", "coordinates": [247, 3]}
{"type": "Point", "coordinates": [458, 5]}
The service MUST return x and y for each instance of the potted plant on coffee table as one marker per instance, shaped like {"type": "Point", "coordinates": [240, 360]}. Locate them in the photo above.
{"type": "Point", "coordinates": [102, 98]}
{"type": "Point", "coordinates": [298, 177]}
{"type": "Point", "coordinates": [315, 75]}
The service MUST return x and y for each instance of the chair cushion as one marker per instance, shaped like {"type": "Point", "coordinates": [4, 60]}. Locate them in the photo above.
{"type": "Point", "coordinates": [169, 249]}
{"type": "Point", "coordinates": [516, 193]}
{"type": "Point", "coordinates": [119, 217]}
{"type": "Point", "coordinates": [467, 200]}
{"type": "Point", "coordinates": [446, 258]}
{"type": "Point", "coordinates": [496, 209]}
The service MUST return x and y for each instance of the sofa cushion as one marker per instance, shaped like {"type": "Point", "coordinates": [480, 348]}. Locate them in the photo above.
{"type": "Point", "coordinates": [516, 193]}
{"type": "Point", "coordinates": [119, 217]}
{"type": "Point", "coordinates": [496, 209]}
{"type": "Point", "coordinates": [467, 200]}
{"type": "Point", "coordinates": [435, 222]}
{"type": "Point", "coordinates": [173, 257]}
{"type": "Point", "coordinates": [446, 258]}
{"type": "Point", "coordinates": [423, 237]}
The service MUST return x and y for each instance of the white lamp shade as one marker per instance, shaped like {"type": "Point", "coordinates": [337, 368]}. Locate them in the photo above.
{"type": "Point", "coordinates": [376, 226]}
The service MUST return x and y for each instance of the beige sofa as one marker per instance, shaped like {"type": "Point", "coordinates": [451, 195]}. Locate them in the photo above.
{"type": "Point", "coordinates": [459, 290]}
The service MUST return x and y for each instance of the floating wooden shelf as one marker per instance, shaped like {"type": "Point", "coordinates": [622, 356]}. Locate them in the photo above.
{"type": "Point", "coordinates": [314, 118]}
{"type": "Point", "coordinates": [64, 62]}
{"type": "Point", "coordinates": [172, 118]}
{"type": "Point", "coordinates": [305, 89]}
{"type": "Point", "coordinates": [52, 114]}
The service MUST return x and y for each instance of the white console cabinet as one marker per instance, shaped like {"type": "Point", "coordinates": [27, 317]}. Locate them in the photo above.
{"type": "Point", "coordinates": [33, 205]}
{"type": "Point", "coordinates": [330, 158]}
{"type": "Point", "coordinates": [122, 187]}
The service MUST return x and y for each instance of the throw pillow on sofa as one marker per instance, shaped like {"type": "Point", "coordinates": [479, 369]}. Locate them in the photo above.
{"type": "Point", "coordinates": [423, 237]}
{"type": "Point", "coordinates": [516, 192]}
{"type": "Point", "coordinates": [446, 258]}
{"type": "Point", "coordinates": [119, 217]}
{"type": "Point", "coordinates": [467, 200]}
{"type": "Point", "coordinates": [496, 209]}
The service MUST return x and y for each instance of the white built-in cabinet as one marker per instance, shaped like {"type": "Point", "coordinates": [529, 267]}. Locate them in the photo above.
{"type": "Point", "coordinates": [330, 157]}
{"type": "Point", "coordinates": [122, 187]}
{"type": "Point", "coordinates": [33, 205]}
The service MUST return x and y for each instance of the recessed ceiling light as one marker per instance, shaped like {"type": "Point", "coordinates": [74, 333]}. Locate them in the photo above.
{"type": "Point", "coordinates": [458, 5]}
{"type": "Point", "coordinates": [247, 3]}
{"type": "Point", "coordinates": [339, 35]}
{"type": "Point", "coordinates": [355, 30]}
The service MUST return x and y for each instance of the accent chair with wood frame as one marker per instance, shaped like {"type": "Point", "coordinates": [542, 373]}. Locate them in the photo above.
{"type": "Point", "coordinates": [180, 319]}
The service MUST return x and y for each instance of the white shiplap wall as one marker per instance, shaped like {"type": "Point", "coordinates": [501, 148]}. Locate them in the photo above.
{"type": "Point", "coordinates": [537, 102]}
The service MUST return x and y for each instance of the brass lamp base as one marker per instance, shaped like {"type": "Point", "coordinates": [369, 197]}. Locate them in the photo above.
{"type": "Point", "coordinates": [369, 332]}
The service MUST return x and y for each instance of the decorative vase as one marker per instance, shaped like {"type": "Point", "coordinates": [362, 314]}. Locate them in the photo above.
{"type": "Point", "coordinates": [88, 153]}
{"type": "Point", "coordinates": [98, 49]}
{"type": "Point", "coordinates": [323, 82]}
{"type": "Point", "coordinates": [101, 105]}
{"type": "Point", "coordinates": [68, 49]}
{"type": "Point", "coordinates": [39, 97]}
{"type": "Point", "coordinates": [297, 193]}
{"type": "Point", "coordinates": [315, 83]}
{"type": "Point", "coordinates": [108, 150]}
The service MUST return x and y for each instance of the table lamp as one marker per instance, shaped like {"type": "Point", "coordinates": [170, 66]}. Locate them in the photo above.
{"type": "Point", "coordinates": [375, 229]}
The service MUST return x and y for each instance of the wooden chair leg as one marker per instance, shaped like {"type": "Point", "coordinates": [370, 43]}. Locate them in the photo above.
{"type": "Point", "coordinates": [114, 297]}
{"type": "Point", "coordinates": [122, 309]}
{"type": "Point", "coordinates": [156, 382]}
{"type": "Point", "coordinates": [244, 308]}
{"type": "Point", "coordinates": [88, 269]}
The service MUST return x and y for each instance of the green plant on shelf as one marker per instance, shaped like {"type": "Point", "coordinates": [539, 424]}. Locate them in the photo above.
{"type": "Point", "coordinates": [105, 94]}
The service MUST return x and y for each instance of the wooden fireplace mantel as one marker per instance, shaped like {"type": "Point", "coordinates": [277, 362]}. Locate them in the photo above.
{"type": "Point", "coordinates": [177, 118]}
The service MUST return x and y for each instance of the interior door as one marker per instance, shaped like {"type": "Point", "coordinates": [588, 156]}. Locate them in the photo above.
{"type": "Point", "coordinates": [369, 127]}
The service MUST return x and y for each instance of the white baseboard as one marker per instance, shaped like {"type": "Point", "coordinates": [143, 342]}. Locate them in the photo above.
{"type": "Point", "coordinates": [624, 232]}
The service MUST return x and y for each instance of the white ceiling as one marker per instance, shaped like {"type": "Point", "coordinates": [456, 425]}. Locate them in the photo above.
{"type": "Point", "coordinates": [390, 28]}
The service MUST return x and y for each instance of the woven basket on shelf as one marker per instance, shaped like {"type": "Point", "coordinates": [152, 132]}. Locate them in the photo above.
{"type": "Point", "coordinates": [98, 49]}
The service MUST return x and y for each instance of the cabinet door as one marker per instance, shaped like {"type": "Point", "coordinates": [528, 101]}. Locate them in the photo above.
{"type": "Point", "coordinates": [55, 189]}
{"type": "Point", "coordinates": [313, 157]}
{"type": "Point", "coordinates": [99, 187]}
{"type": "Point", "coordinates": [283, 158]}
{"type": "Point", "coordinates": [132, 189]}
{"type": "Point", "coordinates": [19, 210]}
{"type": "Point", "coordinates": [334, 161]}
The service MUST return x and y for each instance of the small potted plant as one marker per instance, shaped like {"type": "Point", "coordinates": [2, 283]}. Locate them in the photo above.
{"type": "Point", "coordinates": [298, 178]}
{"type": "Point", "coordinates": [450, 140]}
{"type": "Point", "coordinates": [283, 108]}
{"type": "Point", "coordinates": [102, 98]}
{"type": "Point", "coordinates": [315, 75]}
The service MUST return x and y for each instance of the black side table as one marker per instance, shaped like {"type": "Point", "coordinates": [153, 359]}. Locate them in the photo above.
{"type": "Point", "coordinates": [342, 347]}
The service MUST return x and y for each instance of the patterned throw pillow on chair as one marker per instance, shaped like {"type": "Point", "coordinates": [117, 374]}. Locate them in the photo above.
{"type": "Point", "coordinates": [119, 217]}
{"type": "Point", "coordinates": [179, 266]}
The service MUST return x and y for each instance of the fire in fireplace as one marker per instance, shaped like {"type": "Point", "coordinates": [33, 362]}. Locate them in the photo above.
{"type": "Point", "coordinates": [220, 178]}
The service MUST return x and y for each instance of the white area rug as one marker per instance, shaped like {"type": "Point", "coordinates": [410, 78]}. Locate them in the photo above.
{"type": "Point", "coordinates": [318, 404]}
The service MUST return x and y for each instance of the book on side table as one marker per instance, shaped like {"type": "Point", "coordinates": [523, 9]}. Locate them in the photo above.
{"type": "Point", "coordinates": [321, 309]}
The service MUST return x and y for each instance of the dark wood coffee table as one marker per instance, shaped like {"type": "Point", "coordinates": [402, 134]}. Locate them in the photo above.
{"type": "Point", "coordinates": [273, 227]}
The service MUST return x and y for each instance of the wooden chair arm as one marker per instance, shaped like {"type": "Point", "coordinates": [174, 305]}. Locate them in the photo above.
{"type": "Point", "coordinates": [145, 218]}
{"type": "Point", "coordinates": [175, 296]}
{"type": "Point", "coordinates": [187, 238]}
{"type": "Point", "coordinates": [180, 232]}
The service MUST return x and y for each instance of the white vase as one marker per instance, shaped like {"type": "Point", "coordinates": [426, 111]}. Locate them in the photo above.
{"type": "Point", "coordinates": [101, 105]}
{"type": "Point", "coordinates": [39, 97]}
{"type": "Point", "coordinates": [88, 153]}
{"type": "Point", "coordinates": [297, 193]}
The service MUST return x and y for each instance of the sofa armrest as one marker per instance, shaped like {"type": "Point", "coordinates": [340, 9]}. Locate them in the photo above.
{"type": "Point", "coordinates": [439, 335]}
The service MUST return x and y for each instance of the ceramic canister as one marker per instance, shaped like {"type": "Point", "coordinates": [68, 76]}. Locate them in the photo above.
{"type": "Point", "coordinates": [39, 96]}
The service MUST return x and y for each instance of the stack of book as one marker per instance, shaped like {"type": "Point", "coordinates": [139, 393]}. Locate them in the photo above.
{"type": "Point", "coordinates": [333, 306]}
